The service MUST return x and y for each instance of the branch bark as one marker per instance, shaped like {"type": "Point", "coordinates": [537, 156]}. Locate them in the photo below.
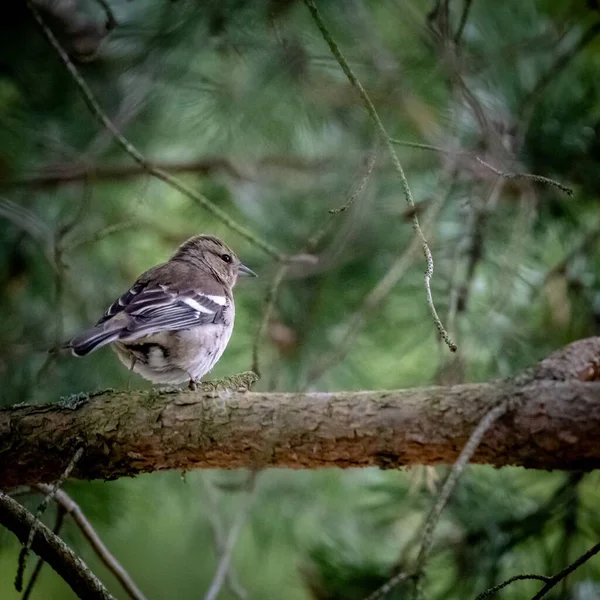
{"type": "Point", "coordinates": [553, 424]}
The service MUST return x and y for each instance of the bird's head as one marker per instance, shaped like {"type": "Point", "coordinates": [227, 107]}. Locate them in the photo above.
{"type": "Point", "coordinates": [212, 254]}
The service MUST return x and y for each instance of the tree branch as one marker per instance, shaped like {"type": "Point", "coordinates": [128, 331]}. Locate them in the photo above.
{"type": "Point", "coordinates": [550, 582]}
{"type": "Point", "coordinates": [473, 158]}
{"type": "Point", "coordinates": [67, 505]}
{"type": "Point", "coordinates": [554, 425]}
{"type": "Point", "coordinates": [52, 549]}
{"type": "Point", "coordinates": [38, 515]}
{"type": "Point", "coordinates": [60, 518]}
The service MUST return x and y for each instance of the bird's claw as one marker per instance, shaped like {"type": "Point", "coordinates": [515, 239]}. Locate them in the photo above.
{"type": "Point", "coordinates": [241, 382]}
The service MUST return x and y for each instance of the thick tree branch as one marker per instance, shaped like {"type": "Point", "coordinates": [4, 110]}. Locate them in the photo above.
{"type": "Point", "coordinates": [554, 425]}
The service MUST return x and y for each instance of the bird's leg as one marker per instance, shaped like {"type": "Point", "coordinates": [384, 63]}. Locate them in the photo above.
{"type": "Point", "coordinates": [240, 382]}
{"type": "Point", "coordinates": [133, 362]}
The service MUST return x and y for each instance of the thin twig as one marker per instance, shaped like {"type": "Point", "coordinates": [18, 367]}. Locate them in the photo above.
{"type": "Point", "coordinates": [111, 20]}
{"type": "Point", "coordinates": [315, 239]}
{"type": "Point", "coordinates": [311, 245]}
{"type": "Point", "coordinates": [135, 154]}
{"type": "Point", "coordinates": [374, 298]}
{"type": "Point", "coordinates": [531, 176]}
{"type": "Point", "coordinates": [589, 237]}
{"type": "Point", "coordinates": [360, 187]}
{"type": "Point", "coordinates": [463, 21]}
{"type": "Point", "coordinates": [505, 174]}
{"type": "Point", "coordinates": [557, 68]}
{"type": "Point", "coordinates": [444, 495]}
{"type": "Point", "coordinates": [234, 533]}
{"type": "Point", "coordinates": [52, 549]}
{"type": "Point", "coordinates": [550, 582]}
{"type": "Point", "coordinates": [40, 511]}
{"type": "Point", "coordinates": [220, 541]}
{"type": "Point", "coordinates": [404, 182]}
{"type": "Point", "coordinates": [555, 579]}
{"type": "Point", "coordinates": [448, 487]}
{"type": "Point", "coordinates": [60, 518]}
{"type": "Point", "coordinates": [388, 586]}
{"type": "Point", "coordinates": [70, 507]}
{"type": "Point", "coordinates": [491, 591]}
{"type": "Point", "coordinates": [62, 231]}
{"type": "Point", "coordinates": [269, 304]}
{"type": "Point", "coordinates": [102, 233]}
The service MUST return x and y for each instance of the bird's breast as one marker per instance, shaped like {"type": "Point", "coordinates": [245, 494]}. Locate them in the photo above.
{"type": "Point", "coordinates": [201, 347]}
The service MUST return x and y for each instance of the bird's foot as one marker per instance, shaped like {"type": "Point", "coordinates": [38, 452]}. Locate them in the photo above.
{"type": "Point", "coordinates": [240, 382]}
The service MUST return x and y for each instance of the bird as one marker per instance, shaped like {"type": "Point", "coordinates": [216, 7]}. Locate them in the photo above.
{"type": "Point", "coordinates": [175, 321]}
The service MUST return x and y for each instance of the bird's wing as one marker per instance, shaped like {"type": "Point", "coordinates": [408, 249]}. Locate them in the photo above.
{"type": "Point", "coordinates": [149, 308]}
{"type": "Point", "coordinates": [160, 300]}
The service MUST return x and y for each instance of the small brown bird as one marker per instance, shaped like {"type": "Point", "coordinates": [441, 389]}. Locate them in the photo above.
{"type": "Point", "coordinates": [174, 323]}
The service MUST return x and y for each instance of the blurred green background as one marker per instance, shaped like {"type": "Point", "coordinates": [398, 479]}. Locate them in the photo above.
{"type": "Point", "coordinates": [244, 102]}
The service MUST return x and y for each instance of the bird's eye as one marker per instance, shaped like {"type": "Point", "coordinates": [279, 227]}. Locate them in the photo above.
{"type": "Point", "coordinates": [226, 257]}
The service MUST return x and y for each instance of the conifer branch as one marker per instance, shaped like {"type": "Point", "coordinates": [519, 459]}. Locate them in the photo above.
{"type": "Point", "coordinates": [223, 425]}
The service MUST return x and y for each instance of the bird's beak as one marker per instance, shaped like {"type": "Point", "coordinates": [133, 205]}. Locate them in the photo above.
{"type": "Point", "coordinates": [244, 270]}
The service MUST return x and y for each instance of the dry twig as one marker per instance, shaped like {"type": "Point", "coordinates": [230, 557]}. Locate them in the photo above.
{"type": "Point", "coordinates": [556, 579]}
{"type": "Point", "coordinates": [311, 246]}
{"type": "Point", "coordinates": [463, 21]}
{"type": "Point", "coordinates": [444, 495]}
{"type": "Point", "coordinates": [550, 582]}
{"type": "Point", "coordinates": [491, 591]}
{"type": "Point", "coordinates": [504, 174]}
{"type": "Point", "coordinates": [40, 511]}
{"type": "Point", "coordinates": [374, 298]}
{"type": "Point", "coordinates": [220, 542]}
{"type": "Point", "coordinates": [448, 487]}
{"type": "Point", "coordinates": [335, 50]}
{"type": "Point", "coordinates": [52, 549]}
{"type": "Point", "coordinates": [67, 505]}
{"type": "Point", "coordinates": [60, 518]}
{"type": "Point", "coordinates": [232, 537]}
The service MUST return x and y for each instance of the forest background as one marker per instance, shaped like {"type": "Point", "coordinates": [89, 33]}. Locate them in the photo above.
{"type": "Point", "coordinates": [245, 103]}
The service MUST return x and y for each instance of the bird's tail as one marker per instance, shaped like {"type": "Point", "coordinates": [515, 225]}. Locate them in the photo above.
{"type": "Point", "coordinates": [94, 338]}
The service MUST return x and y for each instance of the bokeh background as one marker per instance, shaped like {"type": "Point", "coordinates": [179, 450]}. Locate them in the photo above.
{"type": "Point", "coordinates": [244, 102]}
